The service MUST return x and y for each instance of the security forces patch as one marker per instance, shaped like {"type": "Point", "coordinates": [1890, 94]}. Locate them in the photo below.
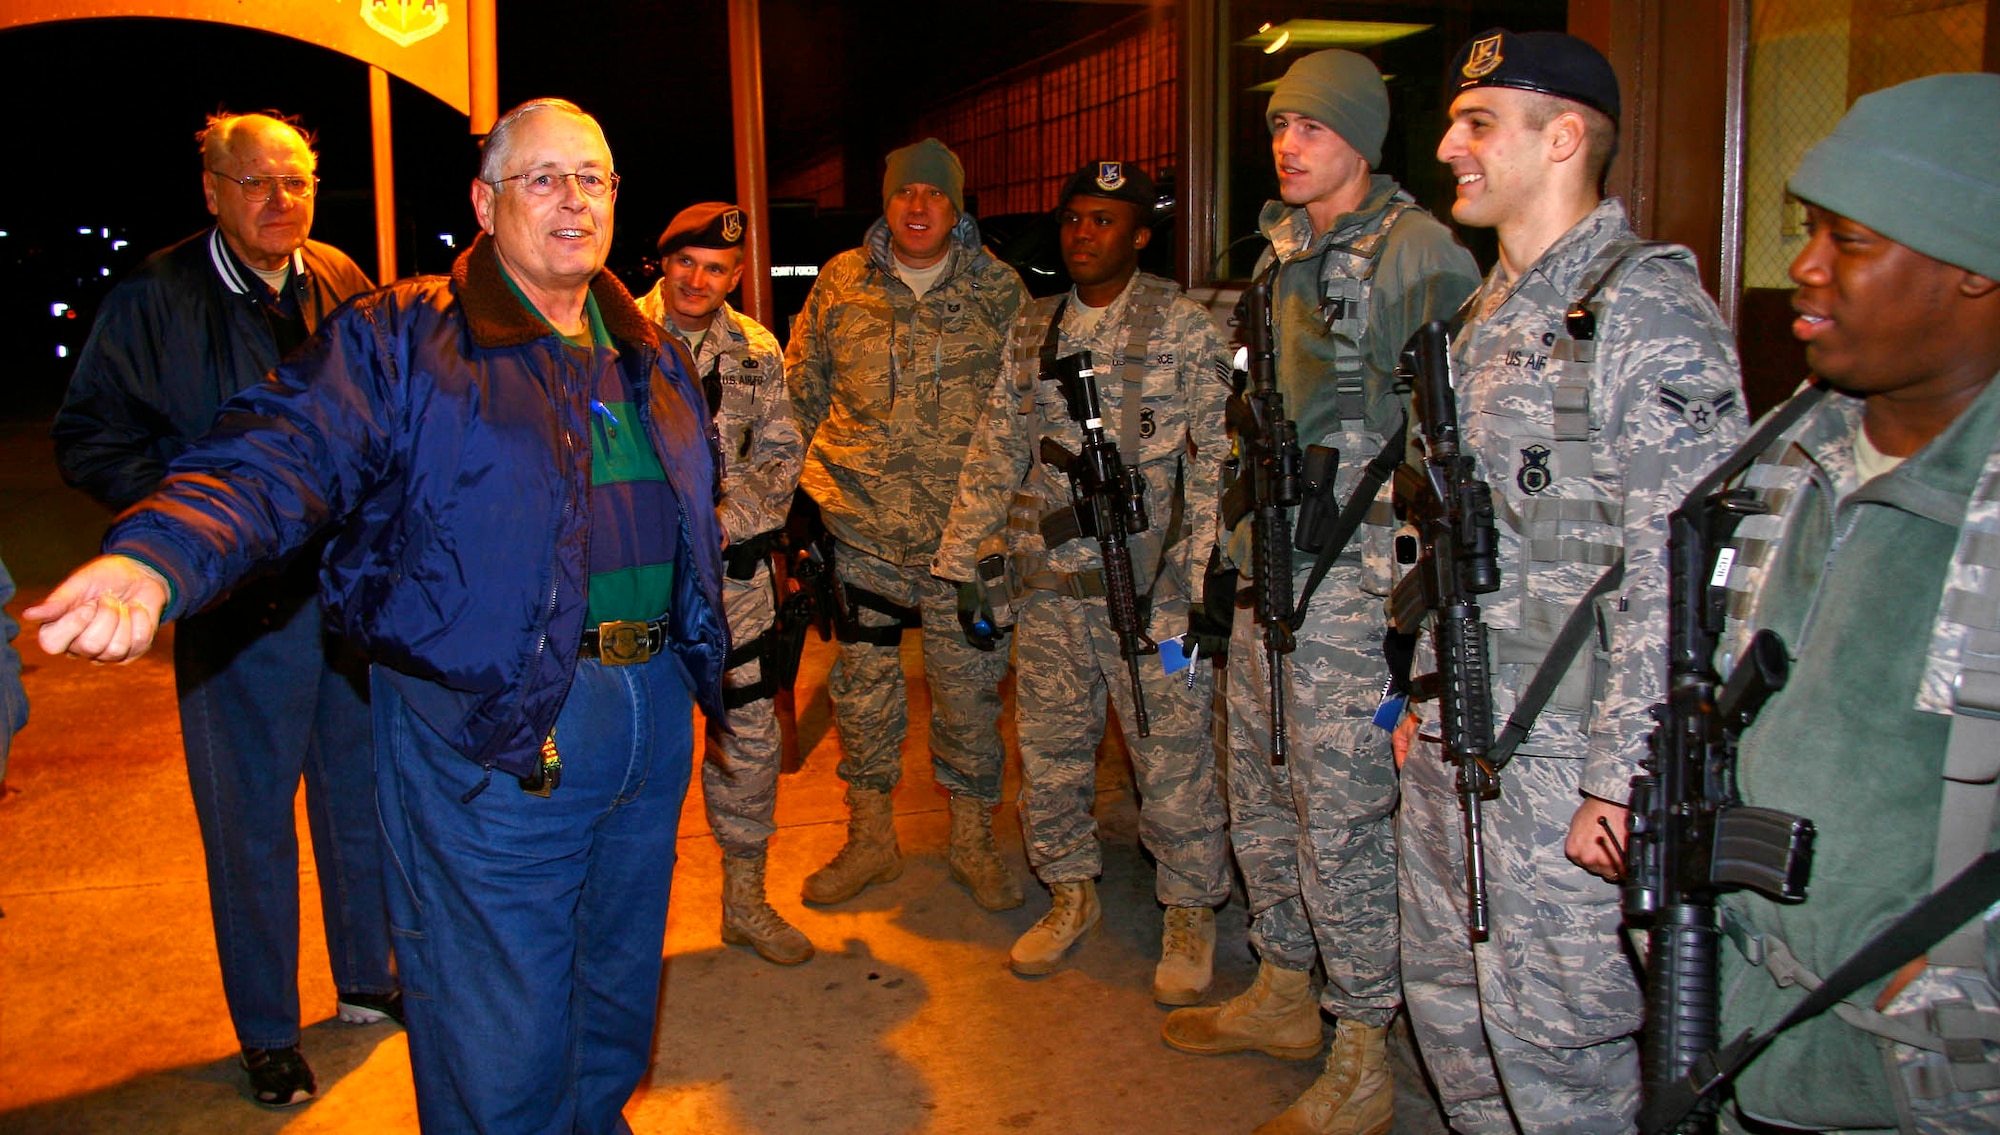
{"type": "Point", "coordinates": [732, 225]}
{"type": "Point", "coordinates": [1534, 475]}
{"type": "Point", "coordinates": [1110, 175]}
{"type": "Point", "coordinates": [1484, 59]}
{"type": "Point", "coordinates": [1147, 427]}
{"type": "Point", "coordinates": [1700, 413]}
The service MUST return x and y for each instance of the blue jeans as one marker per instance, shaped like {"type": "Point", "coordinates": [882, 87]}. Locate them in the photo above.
{"type": "Point", "coordinates": [265, 697]}
{"type": "Point", "coordinates": [529, 930]}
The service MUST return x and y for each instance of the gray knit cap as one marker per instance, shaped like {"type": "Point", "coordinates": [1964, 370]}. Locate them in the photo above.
{"type": "Point", "coordinates": [929, 162]}
{"type": "Point", "coordinates": [1343, 90]}
{"type": "Point", "coordinates": [1920, 164]}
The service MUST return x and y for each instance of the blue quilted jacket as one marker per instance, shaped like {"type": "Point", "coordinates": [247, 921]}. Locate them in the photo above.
{"type": "Point", "coordinates": [437, 430]}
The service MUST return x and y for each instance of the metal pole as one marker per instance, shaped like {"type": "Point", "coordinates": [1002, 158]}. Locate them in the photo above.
{"type": "Point", "coordinates": [746, 85]}
{"type": "Point", "coordinates": [482, 64]}
{"type": "Point", "coordinates": [1195, 183]}
{"type": "Point", "coordinates": [1735, 153]}
{"type": "Point", "coordinates": [385, 176]}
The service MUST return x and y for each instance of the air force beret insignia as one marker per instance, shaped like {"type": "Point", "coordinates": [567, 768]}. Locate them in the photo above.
{"type": "Point", "coordinates": [1484, 58]}
{"type": "Point", "coordinates": [732, 225]}
{"type": "Point", "coordinates": [1110, 175]}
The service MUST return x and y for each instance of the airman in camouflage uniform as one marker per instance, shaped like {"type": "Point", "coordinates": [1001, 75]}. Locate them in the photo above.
{"type": "Point", "coordinates": [1884, 738]}
{"type": "Point", "coordinates": [701, 262]}
{"type": "Point", "coordinates": [1359, 268]}
{"type": "Point", "coordinates": [1161, 372]}
{"type": "Point", "coordinates": [888, 365]}
{"type": "Point", "coordinates": [1589, 432]}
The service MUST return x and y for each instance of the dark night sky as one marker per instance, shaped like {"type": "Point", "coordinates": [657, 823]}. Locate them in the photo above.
{"type": "Point", "coordinates": [127, 95]}
{"type": "Point", "coordinates": [112, 107]}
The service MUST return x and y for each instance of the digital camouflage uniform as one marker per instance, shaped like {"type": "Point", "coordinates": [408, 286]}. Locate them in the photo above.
{"type": "Point", "coordinates": [1584, 460]}
{"type": "Point", "coordinates": [887, 386]}
{"type": "Point", "coordinates": [1315, 836]}
{"type": "Point", "coordinates": [1164, 347]}
{"type": "Point", "coordinates": [762, 452]}
{"type": "Point", "coordinates": [1858, 741]}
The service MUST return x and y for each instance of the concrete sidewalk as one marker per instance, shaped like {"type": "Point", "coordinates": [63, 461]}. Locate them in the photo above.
{"type": "Point", "coordinates": [112, 1017]}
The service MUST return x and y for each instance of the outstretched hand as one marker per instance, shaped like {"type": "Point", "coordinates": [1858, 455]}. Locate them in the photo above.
{"type": "Point", "coordinates": [106, 611]}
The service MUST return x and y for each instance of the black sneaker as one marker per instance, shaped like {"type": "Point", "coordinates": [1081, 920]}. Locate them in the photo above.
{"type": "Point", "coordinates": [279, 1077]}
{"type": "Point", "coordinates": [370, 1008]}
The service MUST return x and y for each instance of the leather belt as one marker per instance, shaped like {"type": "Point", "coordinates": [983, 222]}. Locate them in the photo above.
{"type": "Point", "coordinates": [624, 643]}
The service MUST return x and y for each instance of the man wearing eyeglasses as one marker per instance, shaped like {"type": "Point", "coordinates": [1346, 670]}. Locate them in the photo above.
{"type": "Point", "coordinates": [518, 479]}
{"type": "Point", "coordinates": [265, 695]}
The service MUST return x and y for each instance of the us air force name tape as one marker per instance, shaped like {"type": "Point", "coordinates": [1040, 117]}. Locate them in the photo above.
{"type": "Point", "coordinates": [1550, 63]}
{"type": "Point", "coordinates": [711, 224]}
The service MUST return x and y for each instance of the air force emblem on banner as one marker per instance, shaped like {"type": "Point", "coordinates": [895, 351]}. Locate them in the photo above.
{"type": "Point", "coordinates": [1110, 175]}
{"type": "Point", "coordinates": [1700, 413]}
{"type": "Point", "coordinates": [732, 225]}
{"type": "Point", "coordinates": [404, 22]}
{"type": "Point", "coordinates": [1484, 59]}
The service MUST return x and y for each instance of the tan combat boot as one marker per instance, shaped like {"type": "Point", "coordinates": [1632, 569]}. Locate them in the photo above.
{"type": "Point", "coordinates": [870, 856]}
{"type": "Point", "coordinates": [975, 863]}
{"type": "Point", "coordinates": [1187, 956]}
{"type": "Point", "coordinates": [748, 920]}
{"type": "Point", "coordinates": [1072, 914]}
{"type": "Point", "coordinates": [1278, 1015]}
{"type": "Point", "coordinates": [1354, 1096]}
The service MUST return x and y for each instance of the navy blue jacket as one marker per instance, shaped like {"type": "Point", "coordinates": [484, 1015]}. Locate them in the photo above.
{"type": "Point", "coordinates": [172, 342]}
{"type": "Point", "coordinates": [438, 427]}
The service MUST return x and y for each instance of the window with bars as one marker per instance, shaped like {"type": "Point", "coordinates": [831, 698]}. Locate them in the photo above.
{"type": "Point", "coordinates": [1023, 133]}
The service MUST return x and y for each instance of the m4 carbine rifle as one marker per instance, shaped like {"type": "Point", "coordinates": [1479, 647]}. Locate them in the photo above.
{"type": "Point", "coordinates": [1452, 510]}
{"type": "Point", "coordinates": [1110, 503]}
{"type": "Point", "coordinates": [1270, 463]}
{"type": "Point", "coordinates": [1689, 835]}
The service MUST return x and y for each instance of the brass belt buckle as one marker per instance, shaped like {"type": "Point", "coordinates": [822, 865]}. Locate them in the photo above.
{"type": "Point", "coordinates": [623, 644]}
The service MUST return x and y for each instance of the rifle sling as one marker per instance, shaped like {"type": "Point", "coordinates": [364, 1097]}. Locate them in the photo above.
{"type": "Point", "coordinates": [1373, 476]}
{"type": "Point", "coordinates": [1577, 626]}
{"type": "Point", "coordinates": [1922, 926]}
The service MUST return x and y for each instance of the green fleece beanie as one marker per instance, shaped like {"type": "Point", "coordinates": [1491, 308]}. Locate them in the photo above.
{"type": "Point", "coordinates": [1343, 90]}
{"type": "Point", "coordinates": [1920, 164]}
{"type": "Point", "coordinates": [930, 162]}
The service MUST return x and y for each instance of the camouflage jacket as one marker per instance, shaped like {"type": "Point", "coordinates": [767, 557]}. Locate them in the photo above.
{"type": "Point", "coordinates": [1586, 460]}
{"type": "Point", "coordinates": [1182, 379]}
{"type": "Point", "coordinates": [1847, 573]}
{"type": "Point", "coordinates": [762, 448]}
{"type": "Point", "coordinates": [1347, 302]}
{"type": "Point", "coordinates": [887, 387]}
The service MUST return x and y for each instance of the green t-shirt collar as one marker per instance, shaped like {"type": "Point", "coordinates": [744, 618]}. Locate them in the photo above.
{"type": "Point", "coordinates": [599, 336]}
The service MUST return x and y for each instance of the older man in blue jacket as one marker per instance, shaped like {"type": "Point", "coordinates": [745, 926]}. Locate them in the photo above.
{"type": "Point", "coordinates": [520, 483]}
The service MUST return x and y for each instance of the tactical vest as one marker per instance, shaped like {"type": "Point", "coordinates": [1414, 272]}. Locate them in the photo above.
{"type": "Point", "coordinates": [1346, 288]}
{"type": "Point", "coordinates": [1962, 679]}
{"type": "Point", "coordinates": [1547, 525]}
{"type": "Point", "coordinates": [1038, 509]}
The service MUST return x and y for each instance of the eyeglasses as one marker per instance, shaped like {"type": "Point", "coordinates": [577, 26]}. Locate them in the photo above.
{"type": "Point", "coordinates": [547, 183]}
{"type": "Point", "coordinates": [257, 190]}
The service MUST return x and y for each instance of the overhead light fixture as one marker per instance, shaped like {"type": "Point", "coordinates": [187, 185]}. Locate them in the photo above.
{"type": "Point", "coordinates": [1355, 35]}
